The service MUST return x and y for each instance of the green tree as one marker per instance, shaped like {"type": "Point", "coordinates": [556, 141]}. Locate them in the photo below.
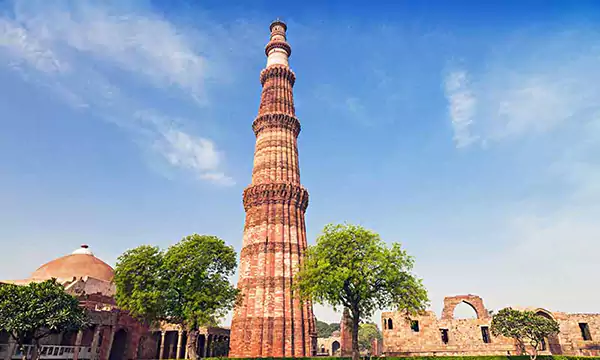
{"type": "Point", "coordinates": [325, 330]}
{"type": "Point", "coordinates": [34, 311]}
{"type": "Point", "coordinates": [367, 332]}
{"type": "Point", "coordinates": [525, 327]}
{"type": "Point", "coordinates": [352, 267]}
{"type": "Point", "coordinates": [187, 284]}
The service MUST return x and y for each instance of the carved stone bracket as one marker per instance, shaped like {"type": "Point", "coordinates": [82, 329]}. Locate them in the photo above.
{"type": "Point", "coordinates": [275, 193]}
{"type": "Point", "coordinates": [277, 71]}
{"type": "Point", "coordinates": [276, 120]}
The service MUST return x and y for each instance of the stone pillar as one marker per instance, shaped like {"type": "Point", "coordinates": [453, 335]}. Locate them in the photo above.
{"type": "Point", "coordinates": [12, 345]}
{"type": "Point", "coordinates": [187, 344]}
{"type": "Point", "coordinates": [207, 342]}
{"type": "Point", "coordinates": [110, 340]}
{"type": "Point", "coordinates": [95, 340]}
{"type": "Point", "coordinates": [77, 345]}
{"type": "Point", "coordinates": [179, 342]}
{"type": "Point", "coordinates": [161, 352]}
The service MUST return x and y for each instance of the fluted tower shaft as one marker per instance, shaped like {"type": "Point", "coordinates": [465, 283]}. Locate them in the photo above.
{"type": "Point", "coordinates": [270, 321]}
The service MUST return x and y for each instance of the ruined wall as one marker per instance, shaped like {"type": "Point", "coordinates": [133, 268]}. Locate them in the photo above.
{"type": "Point", "coordinates": [465, 337]}
{"type": "Point", "coordinates": [331, 346]}
{"type": "Point", "coordinates": [571, 340]}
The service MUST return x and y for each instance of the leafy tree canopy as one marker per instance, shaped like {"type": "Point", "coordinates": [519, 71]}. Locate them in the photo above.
{"type": "Point", "coordinates": [352, 267]}
{"type": "Point", "coordinates": [36, 310]}
{"type": "Point", "coordinates": [187, 284]}
{"type": "Point", "coordinates": [366, 334]}
{"type": "Point", "coordinates": [325, 330]}
{"type": "Point", "coordinates": [526, 327]}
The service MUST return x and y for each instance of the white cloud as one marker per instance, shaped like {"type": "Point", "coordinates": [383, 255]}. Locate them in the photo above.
{"type": "Point", "coordinates": [196, 154]}
{"type": "Point", "coordinates": [87, 54]}
{"type": "Point", "coordinates": [25, 48]}
{"type": "Point", "coordinates": [141, 43]}
{"type": "Point", "coordinates": [461, 107]}
{"type": "Point", "coordinates": [549, 85]}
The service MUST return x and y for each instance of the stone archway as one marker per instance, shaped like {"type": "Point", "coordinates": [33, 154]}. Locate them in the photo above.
{"type": "Point", "coordinates": [474, 301]}
{"type": "Point", "coordinates": [464, 310]}
{"type": "Point", "coordinates": [119, 346]}
{"type": "Point", "coordinates": [552, 343]}
{"type": "Point", "coordinates": [335, 346]}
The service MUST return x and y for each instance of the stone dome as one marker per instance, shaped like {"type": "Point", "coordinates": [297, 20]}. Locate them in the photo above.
{"type": "Point", "coordinates": [80, 263]}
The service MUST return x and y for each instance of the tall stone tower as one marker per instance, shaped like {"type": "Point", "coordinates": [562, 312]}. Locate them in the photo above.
{"type": "Point", "coordinates": [270, 321]}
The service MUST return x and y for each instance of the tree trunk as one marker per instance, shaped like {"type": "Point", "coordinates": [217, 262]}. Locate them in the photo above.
{"type": "Point", "coordinates": [534, 352]}
{"type": "Point", "coordinates": [521, 346]}
{"type": "Point", "coordinates": [192, 344]}
{"type": "Point", "coordinates": [355, 325]}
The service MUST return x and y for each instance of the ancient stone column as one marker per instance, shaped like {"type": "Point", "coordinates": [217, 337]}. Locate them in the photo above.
{"type": "Point", "coordinates": [95, 341]}
{"type": "Point", "coordinates": [163, 336]}
{"type": "Point", "coordinates": [271, 321]}
{"type": "Point", "coordinates": [77, 345]}
{"type": "Point", "coordinates": [12, 345]}
{"type": "Point", "coordinates": [179, 343]}
{"type": "Point", "coordinates": [187, 354]}
{"type": "Point", "coordinates": [110, 341]}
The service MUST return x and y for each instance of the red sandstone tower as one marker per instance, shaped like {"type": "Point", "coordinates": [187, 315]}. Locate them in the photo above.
{"type": "Point", "coordinates": [270, 321]}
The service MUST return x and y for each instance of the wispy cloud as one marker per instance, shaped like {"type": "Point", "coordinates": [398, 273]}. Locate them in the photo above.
{"type": "Point", "coordinates": [25, 48]}
{"type": "Point", "coordinates": [461, 106]}
{"type": "Point", "coordinates": [195, 154]}
{"type": "Point", "coordinates": [550, 85]}
{"type": "Point", "coordinates": [538, 95]}
{"type": "Point", "coordinates": [96, 57]}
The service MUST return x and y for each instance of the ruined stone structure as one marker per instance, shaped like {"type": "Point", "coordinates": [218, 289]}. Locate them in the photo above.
{"type": "Point", "coordinates": [113, 334]}
{"type": "Point", "coordinates": [330, 346]}
{"type": "Point", "coordinates": [426, 335]}
{"type": "Point", "coordinates": [346, 334]}
{"type": "Point", "coordinates": [271, 321]}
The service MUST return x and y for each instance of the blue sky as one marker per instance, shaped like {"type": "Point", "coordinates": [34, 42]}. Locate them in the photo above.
{"type": "Point", "coordinates": [468, 132]}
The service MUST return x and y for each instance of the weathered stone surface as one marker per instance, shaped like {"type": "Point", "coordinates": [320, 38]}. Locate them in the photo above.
{"type": "Point", "coordinates": [270, 321]}
{"type": "Point", "coordinates": [465, 337]}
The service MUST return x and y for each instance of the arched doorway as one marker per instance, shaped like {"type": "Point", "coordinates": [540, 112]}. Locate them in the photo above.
{"type": "Point", "coordinates": [335, 346]}
{"type": "Point", "coordinates": [552, 343]}
{"type": "Point", "coordinates": [119, 345]}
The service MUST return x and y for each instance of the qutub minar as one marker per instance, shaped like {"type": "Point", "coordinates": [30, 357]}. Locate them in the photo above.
{"type": "Point", "coordinates": [270, 321]}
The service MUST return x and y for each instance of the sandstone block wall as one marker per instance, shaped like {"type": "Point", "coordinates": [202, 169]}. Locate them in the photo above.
{"type": "Point", "coordinates": [465, 337]}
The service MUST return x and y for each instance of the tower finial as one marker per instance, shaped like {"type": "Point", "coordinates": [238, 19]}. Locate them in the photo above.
{"type": "Point", "coordinates": [278, 21]}
{"type": "Point", "coordinates": [278, 50]}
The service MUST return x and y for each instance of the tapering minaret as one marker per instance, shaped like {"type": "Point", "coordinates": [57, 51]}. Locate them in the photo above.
{"type": "Point", "coordinates": [270, 321]}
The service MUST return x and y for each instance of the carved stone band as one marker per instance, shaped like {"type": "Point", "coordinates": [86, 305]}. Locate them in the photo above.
{"type": "Point", "coordinates": [264, 282]}
{"type": "Point", "coordinates": [277, 71]}
{"type": "Point", "coordinates": [276, 120]}
{"type": "Point", "coordinates": [275, 193]}
{"type": "Point", "coordinates": [278, 44]}
{"type": "Point", "coordinates": [270, 247]}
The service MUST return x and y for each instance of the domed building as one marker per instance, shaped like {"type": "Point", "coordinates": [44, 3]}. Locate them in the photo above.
{"type": "Point", "coordinates": [113, 334]}
{"type": "Point", "coordinates": [79, 264]}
